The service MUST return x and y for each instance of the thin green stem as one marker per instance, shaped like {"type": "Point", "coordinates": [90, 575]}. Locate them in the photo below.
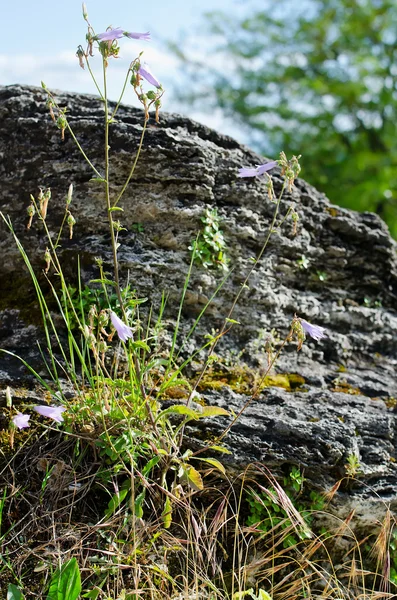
{"type": "Point", "coordinates": [121, 96]}
{"type": "Point", "coordinates": [244, 284]}
{"type": "Point", "coordinates": [133, 164]}
{"type": "Point", "coordinates": [82, 151]}
{"type": "Point", "coordinates": [93, 77]}
{"type": "Point", "coordinates": [107, 193]}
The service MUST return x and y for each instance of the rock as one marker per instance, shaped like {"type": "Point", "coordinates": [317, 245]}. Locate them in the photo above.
{"type": "Point", "coordinates": [339, 271]}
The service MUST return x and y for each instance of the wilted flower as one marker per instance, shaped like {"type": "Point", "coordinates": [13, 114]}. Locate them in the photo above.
{"type": "Point", "coordinates": [117, 33]}
{"type": "Point", "coordinates": [145, 72]}
{"type": "Point", "coordinates": [52, 412]}
{"type": "Point", "coordinates": [315, 331]}
{"type": "Point", "coordinates": [258, 170]}
{"type": "Point", "coordinates": [124, 331]}
{"type": "Point", "coordinates": [21, 421]}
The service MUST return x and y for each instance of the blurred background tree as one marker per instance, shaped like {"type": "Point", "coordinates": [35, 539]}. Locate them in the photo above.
{"type": "Point", "coordinates": [317, 78]}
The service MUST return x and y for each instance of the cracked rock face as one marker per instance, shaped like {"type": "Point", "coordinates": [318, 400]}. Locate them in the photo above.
{"type": "Point", "coordinates": [339, 271]}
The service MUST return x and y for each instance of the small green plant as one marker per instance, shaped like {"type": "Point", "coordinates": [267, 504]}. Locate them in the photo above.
{"type": "Point", "coordinates": [268, 513]}
{"type": "Point", "coordinates": [303, 262]}
{"type": "Point", "coordinates": [353, 467]}
{"type": "Point", "coordinates": [209, 248]}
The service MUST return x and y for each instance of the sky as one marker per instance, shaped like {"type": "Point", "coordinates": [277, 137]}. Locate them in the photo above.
{"type": "Point", "coordinates": [39, 42]}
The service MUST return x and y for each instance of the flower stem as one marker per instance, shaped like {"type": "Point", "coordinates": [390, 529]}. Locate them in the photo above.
{"type": "Point", "coordinates": [133, 164]}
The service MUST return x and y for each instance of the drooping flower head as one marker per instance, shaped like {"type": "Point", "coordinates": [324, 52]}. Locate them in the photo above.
{"type": "Point", "coordinates": [258, 170]}
{"type": "Point", "coordinates": [300, 327]}
{"type": "Point", "coordinates": [52, 412]}
{"type": "Point", "coordinates": [123, 331]}
{"type": "Point", "coordinates": [315, 331]}
{"type": "Point", "coordinates": [21, 421]}
{"type": "Point", "coordinates": [145, 72]}
{"type": "Point", "coordinates": [115, 34]}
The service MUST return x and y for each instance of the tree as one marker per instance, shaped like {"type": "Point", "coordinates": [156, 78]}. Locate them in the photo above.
{"type": "Point", "coordinates": [318, 78]}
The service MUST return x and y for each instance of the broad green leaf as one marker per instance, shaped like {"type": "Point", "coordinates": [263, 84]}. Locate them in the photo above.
{"type": "Point", "coordinates": [192, 477]}
{"type": "Point", "coordinates": [167, 513]}
{"type": "Point", "coordinates": [14, 593]}
{"type": "Point", "coordinates": [142, 345]}
{"type": "Point", "coordinates": [150, 464]}
{"type": "Point", "coordinates": [213, 411]}
{"type": "Point", "coordinates": [65, 583]}
{"type": "Point", "coordinates": [215, 463]}
{"type": "Point", "coordinates": [179, 409]}
{"type": "Point", "coordinates": [117, 499]}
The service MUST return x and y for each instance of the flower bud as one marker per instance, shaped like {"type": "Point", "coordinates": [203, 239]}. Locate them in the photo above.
{"type": "Point", "coordinates": [157, 104]}
{"type": "Point", "coordinates": [70, 194]}
{"type": "Point", "coordinates": [62, 124]}
{"type": "Point", "coordinates": [30, 210]}
{"type": "Point", "coordinates": [80, 55]}
{"type": "Point", "coordinates": [44, 203]}
{"type": "Point", "coordinates": [71, 221]}
{"type": "Point", "coordinates": [47, 258]}
{"type": "Point", "coordinates": [85, 13]}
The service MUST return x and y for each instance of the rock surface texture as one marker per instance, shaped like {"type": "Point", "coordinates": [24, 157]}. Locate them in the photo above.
{"type": "Point", "coordinates": [339, 271]}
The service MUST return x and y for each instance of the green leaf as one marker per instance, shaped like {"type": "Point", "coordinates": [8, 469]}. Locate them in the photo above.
{"type": "Point", "coordinates": [192, 477]}
{"type": "Point", "coordinates": [65, 583]}
{"type": "Point", "coordinates": [138, 504]}
{"type": "Point", "coordinates": [136, 345]}
{"type": "Point", "coordinates": [114, 208]}
{"type": "Point", "coordinates": [179, 409]}
{"type": "Point", "coordinates": [98, 179]}
{"type": "Point", "coordinates": [14, 593]}
{"type": "Point", "coordinates": [167, 513]}
{"type": "Point", "coordinates": [213, 411]}
{"type": "Point", "coordinates": [215, 463]}
{"type": "Point", "coordinates": [262, 595]}
{"type": "Point", "coordinates": [220, 449]}
{"type": "Point", "coordinates": [118, 498]}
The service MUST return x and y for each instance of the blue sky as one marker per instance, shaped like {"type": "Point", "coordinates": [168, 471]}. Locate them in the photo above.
{"type": "Point", "coordinates": [39, 42]}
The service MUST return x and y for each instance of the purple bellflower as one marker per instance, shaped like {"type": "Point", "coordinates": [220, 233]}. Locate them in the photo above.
{"type": "Point", "coordinates": [124, 332]}
{"type": "Point", "coordinates": [315, 331]}
{"type": "Point", "coordinates": [21, 421]}
{"type": "Point", "coordinates": [258, 170]}
{"type": "Point", "coordinates": [145, 72]}
{"type": "Point", "coordinates": [52, 412]}
{"type": "Point", "coordinates": [117, 33]}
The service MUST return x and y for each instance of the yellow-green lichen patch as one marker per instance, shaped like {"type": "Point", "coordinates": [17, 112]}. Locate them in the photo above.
{"type": "Point", "coordinates": [245, 380]}
{"type": "Point", "coordinates": [345, 388]}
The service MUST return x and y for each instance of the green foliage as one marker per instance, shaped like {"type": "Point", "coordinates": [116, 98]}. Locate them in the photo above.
{"type": "Point", "coordinates": [267, 512]}
{"type": "Point", "coordinates": [13, 593]}
{"type": "Point", "coordinates": [65, 583]}
{"type": "Point", "coordinates": [209, 248]}
{"type": "Point", "coordinates": [319, 77]}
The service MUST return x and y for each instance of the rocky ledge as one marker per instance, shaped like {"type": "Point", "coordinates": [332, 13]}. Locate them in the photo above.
{"type": "Point", "coordinates": [331, 400]}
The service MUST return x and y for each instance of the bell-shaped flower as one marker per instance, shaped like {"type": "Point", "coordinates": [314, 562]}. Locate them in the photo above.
{"type": "Point", "coordinates": [315, 331]}
{"type": "Point", "coordinates": [52, 412]}
{"type": "Point", "coordinates": [21, 421]}
{"type": "Point", "coordinates": [115, 34]}
{"type": "Point", "coordinates": [123, 331]}
{"type": "Point", "coordinates": [145, 72]}
{"type": "Point", "coordinates": [258, 170]}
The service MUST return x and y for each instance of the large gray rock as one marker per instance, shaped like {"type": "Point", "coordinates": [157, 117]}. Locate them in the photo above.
{"type": "Point", "coordinates": [346, 402]}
